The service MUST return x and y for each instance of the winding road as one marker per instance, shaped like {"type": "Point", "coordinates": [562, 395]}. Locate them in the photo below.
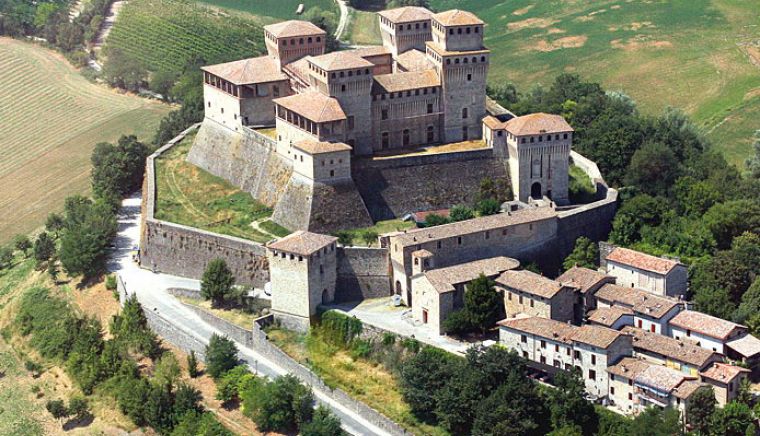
{"type": "Point", "coordinates": [151, 290]}
{"type": "Point", "coordinates": [343, 22]}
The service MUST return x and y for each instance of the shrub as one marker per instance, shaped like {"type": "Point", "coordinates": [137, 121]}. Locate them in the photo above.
{"type": "Point", "coordinates": [282, 405]}
{"type": "Point", "coordinates": [323, 423]}
{"type": "Point", "coordinates": [57, 409]}
{"type": "Point", "coordinates": [361, 349]}
{"type": "Point", "coordinates": [339, 329]}
{"type": "Point", "coordinates": [111, 282]}
{"type": "Point", "coordinates": [488, 206]}
{"type": "Point", "coordinates": [217, 281]}
{"type": "Point", "coordinates": [78, 407]}
{"type": "Point", "coordinates": [461, 213]}
{"type": "Point", "coordinates": [457, 322]}
{"type": "Point", "coordinates": [192, 365]}
{"type": "Point", "coordinates": [221, 356]}
{"type": "Point", "coordinates": [228, 386]}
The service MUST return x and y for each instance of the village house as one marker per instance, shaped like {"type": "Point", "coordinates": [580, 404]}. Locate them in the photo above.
{"type": "Point", "coordinates": [679, 354]}
{"type": "Point", "coordinates": [725, 380]}
{"type": "Point", "coordinates": [555, 345]}
{"type": "Point", "coordinates": [650, 312]}
{"type": "Point", "coordinates": [659, 276]}
{"type": "Point", "coordinates": [439, 292]}
{"type": "Point", "coordinates": [745, 349]}
{"type": "Point", "coordinates": [611, 317]}
{"type": "Point", "coordinates": [707, 331]}
{"type": "Point", "coordinates": [588, 282]}
{"type": "Point", "coordinates": [636, 384]}
{"type": "Point", "coordinates": [528, 293]}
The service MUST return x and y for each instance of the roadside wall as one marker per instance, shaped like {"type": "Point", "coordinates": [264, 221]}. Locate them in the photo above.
{"type": "Point", "coordinates": [184, 251]}
{"type": "Point", "coordinates": [232, 331]}
{"type": "Point", "coordinates": [362, 273]}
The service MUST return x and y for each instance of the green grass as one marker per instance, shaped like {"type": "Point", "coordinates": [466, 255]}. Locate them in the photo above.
{"type": "Point", "coordinates": [188, 195]}
{"type": "Point", "coordinates": [363, 28]}
{"type": "Point", "coordinates": [11, 277]}
{"type": "Point", "coordinates": [274, 228]}
{"type": "Point", "coordinates": [380, 228]}
{"type": "Point", "coordinates": [580, 186]}
{"type": "Point", "coordinates": [164, 35]}
{"type": "Point", "coordinates": [279, 9]}
{"type": "Point", "coordinates": [688, 54]}
{"type": "Point", "coordinates": [51, 118]}
{"type": "Point", "coordinates": [18, 412]}
{"type": "Point", "coordinates": [364, 380]}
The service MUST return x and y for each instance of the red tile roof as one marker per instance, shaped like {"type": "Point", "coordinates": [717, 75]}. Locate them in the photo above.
{"type": "Point", "coordinates": [705, 324]}
{"type": "Point", "coordinates": [530, 283]}
{"type": "Point", "coordinates": [406, 14]}
{"type": "Point", "coordinates": [340, 60]}
{"type": "Point", "coordinates": [583, 278]}
{"type": "Point", "coordinates": [291, 28]}
{"type": "Point", "coordinates": [681, 350]}
{"type": "Point", "coordinates": [319, 147]}
{"type": "Point", "coordinates": [536, 124]}
{"type": "Point", "coordinates": [641, 302]}
{"type": "Point", "coordinates": [641, 260]}
{"type": "Point", "coordinates": [262, 69]}
{"type": "Point", "coordinates": [443, 279]}
{"type": "Point", "coordinates": [396, 82]}
{"type": "Point", "coordinates": [723, 372]}
{"type": "Point", "coordinates": [746, 345]}
{"type": "Point", "coordinates": [302, 243]}
{"type": "Point", "coordinates": [313, 105]}
{"type": "Point", "coordinates": [542, 327]}
{"type": "Point", "coordinates": [607, 316]}
{"type": "Point", "coordinates": [456, 17]}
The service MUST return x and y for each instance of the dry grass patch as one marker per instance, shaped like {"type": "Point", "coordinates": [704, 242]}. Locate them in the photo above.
{"type": "Point", "coordinates": [557, 44]}
{"type": "Point", "coordinates": [531, 23]}
{"type": "Point", "coordinates": [522, 11]}
{"type": "Point", "coordinates": [754, 54]}
{"type": "Point", "coordinates": [234, 315]}
{"type": "Point", "coordinates": [639, 42]}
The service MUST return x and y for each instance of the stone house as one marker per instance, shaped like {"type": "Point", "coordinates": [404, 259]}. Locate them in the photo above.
{"type": "Point", "coordinates": [554, 345]}
{"type": "Point", "coordinates": [725, 380]}
{"type": "Point", "coordinates": [302, 268]}
{"type": "Point", "coordinates": [532, 294]}
{"type": "Point", "coordinates": [678, 354]}
{"type": "Point", "coordinates": [650, 312]}
{"type": "Point", "coordinates": [588, 282]}
{"type": "Point", "coordinates": [707, 331]}
{"type": "Point", "coordinates": [745, 349]}
{"type": "Point", "coordinates": [665, 277]}
{"type": "Point", "coordinates": [612, 317]}
{"type": "Point", "coordinates": [438, 292]}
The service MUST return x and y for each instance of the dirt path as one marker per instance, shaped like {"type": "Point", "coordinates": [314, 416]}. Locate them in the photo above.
{"type": "Point", "coordinates": [343, 22]}
{"type": "Point", "coordinates": [257, 226]}
{"type": "Point", "coordinates": [105, 29]}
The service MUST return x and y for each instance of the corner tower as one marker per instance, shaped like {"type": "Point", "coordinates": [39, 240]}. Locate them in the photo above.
{"type": "Point", "coordinates": [462, 61]}
{"type": "Point", "coordinates": [291, 40]}
{"type": "Point", "coordinates": [404, 29]}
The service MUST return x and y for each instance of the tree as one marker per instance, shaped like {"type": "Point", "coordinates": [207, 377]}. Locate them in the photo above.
{"type": "Point", "coordinates": [457, 322]}
{"type": "Point", "coordinates": [753, 163]}
{"type": "Point", "coordinates": [488, 206]}
{"type": "Point", "coordinates": [514, 408]}
{"type": "Point", "coordinates": [186, 399]}
{"type": "Point", "coordinates": [221, 356]}
{"type": "Point", "coordinates": [44, 248]}
{"type": "Point", "coordinates": [88, 230]}
{"type": "Point", "coordinates": [57, 409]}
{"type": "Point", "coordinates": [653, 169]}
{"type": "Point", "coordinates": [52, 270]}
{"type": "Point", "coordinates": [78, 407]}
{"type": "Point", "coordinates": [167, 370]}
{"type": "Point", "coordinates": [216, 282]}
{"type": "Point", "coordinates": [199, 424]}
{"type": "Point", "coordinates": [585, 254]}
{"type": "Point", "coordinates": [22, 243]}
{"type": "Point", "coordinates": [434, 219]}
{"type": "Point", "coordinates": [732, 218]}
{"type": "Point", "coordinates": [423, 376]}
{"type": "Point", "coordinates": [227, 388]}
{"type": "Point", "coordinates": [6, 256]}
{"type": "Point", "coordinates": [118, 169]}
{"type": "Point", "coordinates": [369, 237]}
{"type": "Point", "coordinates": [568, 405]}
{"type": "Point", "coordinates": [159, 406]}
{"type": "Point", "coordinates": [54, 223]}
{"type": "Point", "coordinates": [192, 365]}
{"type": "Point", "coordinates": [481, 301]}
{"type": "Point", "coordinates": [735, 419]}
{"type": "Point", "coordinates": [323, 423]}
{"type": "Point", "coordinates": [282, 405]}
{"type": "Point", "coordinates": [461, 213]}
{"type": "Point", "coordinates": [656, 422]}
{"type": "Point", "coordinates": [123, 71]}
{"type": "Point", "coordinates": [701, 408]}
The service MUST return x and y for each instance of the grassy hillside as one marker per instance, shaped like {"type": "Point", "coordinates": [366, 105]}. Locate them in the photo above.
{"type": "Point", "coordinates": [693, 54]}
{"type": "Point", "coordinates": [276, 9]}
{"type": "Point", "coordinates": [165, 35]}
{"type": "Point", "coordinates": [51, 119]}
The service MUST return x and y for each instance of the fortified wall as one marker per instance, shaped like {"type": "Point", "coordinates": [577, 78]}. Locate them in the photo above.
{"type": "Point", "coordinates": [362, 273]}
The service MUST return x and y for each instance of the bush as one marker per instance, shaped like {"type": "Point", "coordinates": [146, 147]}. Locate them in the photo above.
{"type": "Point", "coordinates": [361, 349]}
{"type": "Point", "coordinates": [111, 282]}
{"type": "Point", "coordinates": [217, 281]}
{"type": "Point", "coordinates": [79, 407]}
{"type": "Point", "coordinates": [489, 206]}
{"type": "Point", "coordinates": [192, 365]}
{"type": "Point", "coordinates": [461, 213]}
{"type": "Point", "coordinates": [57, 409]}
{"type": "Point", "coordinates": [457, 322]}
{"type": "Point", "coordinates": [282, 405]}
{"type": "Point", "coordinates": [323, 423]}
{"type": "Point", "coordinates": [221, 356]}
{"type": "Point", "coordinates": [228, 387]}
{"type": "Point", "coordinates": [339, 329]}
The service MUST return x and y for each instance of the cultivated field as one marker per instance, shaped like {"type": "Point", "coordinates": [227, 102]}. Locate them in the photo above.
{"type": "Point", "coordinates": [276, 9]}
{"type": "Point", "coordinates": [699, 55]}
{"type": "Point", "coordinates": [363, 28]}
{"type": "Point", "coordinates": [50, 119]}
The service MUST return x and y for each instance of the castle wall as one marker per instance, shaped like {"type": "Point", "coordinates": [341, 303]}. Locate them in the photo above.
{"type": "Point", "coordinates": [222, 107]}
{"type": "Point", "coordinates": [394, 187]}
{"type": "Point", "coordinates": [407, 113]}
{"type": "Point", "coordinates": [362, 273]}
{"type": "Point", "coordinates": [258, 110]}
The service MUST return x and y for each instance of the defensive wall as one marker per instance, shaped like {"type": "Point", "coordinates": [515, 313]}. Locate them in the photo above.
{"type": "Point", "coordinates": [362, 273]}
{"type": "Point", "coordinates": [394, 186]}
{"type": "Point", "coordinates": [185, 251]}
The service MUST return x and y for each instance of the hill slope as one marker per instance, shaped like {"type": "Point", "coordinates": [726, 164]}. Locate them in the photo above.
{"type": "Point", "coordinates": [51, 119]}
{"type": "Point", "coordinates": [699, 55]}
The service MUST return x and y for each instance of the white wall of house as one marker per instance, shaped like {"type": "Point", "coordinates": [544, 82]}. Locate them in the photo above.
{"type": "Point", "coordinates": [703, 341]}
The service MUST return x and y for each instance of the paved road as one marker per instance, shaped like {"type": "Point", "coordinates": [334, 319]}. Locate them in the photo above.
{"type": "Point", "coordinates": [151, 289]}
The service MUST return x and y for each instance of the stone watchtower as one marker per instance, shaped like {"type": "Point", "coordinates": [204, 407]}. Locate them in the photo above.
{"type": "Point", "coordinates": [291, 40]}
{"type": "Point", "coordinates": [302, 269]}
{"type": "Point", "coordinates": [462, 61]}
{"type": "Point", "coordinates": [538, 146]}
{"type": "Point", "coordinates": [405, 28]}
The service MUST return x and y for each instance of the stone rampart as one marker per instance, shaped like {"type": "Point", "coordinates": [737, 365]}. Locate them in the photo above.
{"type": "Point", "coordinates": [362, 273]}
{"type": "Point", "coordinates": [184, 251]}
{"type": "Point", "coordinates": [393, 187]}
{"type": "Point", "coordinates": [232, 331]}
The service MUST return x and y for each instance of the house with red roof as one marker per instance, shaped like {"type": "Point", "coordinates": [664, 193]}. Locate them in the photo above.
{"type": "Point", "coordinates": [657, 275]}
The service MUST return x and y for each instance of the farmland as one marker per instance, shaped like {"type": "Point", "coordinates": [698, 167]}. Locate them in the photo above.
{"type": "Point", "coordinates": [274, 9]}
{"type": "Point", "coordinates": [164, 35]}
{"type": "Point", "coordinates": [697, 55]}
{"type": "Point", "coordinates": [51, 119]}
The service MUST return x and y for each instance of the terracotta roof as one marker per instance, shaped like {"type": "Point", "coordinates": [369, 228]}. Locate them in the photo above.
{"type": "Point", "coordinates": [414, 60]}
{"type": "Point", "coordinates": [641, 260]}
{"type": "Point", "coordinates": [368, 52]}
{"type": "Point", "coordinates": [456, 17]}
{"type": "Point", "coordinates": [313, 105]}
{"type": "Point", "coordinates": [443, 52]}
{"type": "Point", "coordinates": [746, 345]}
{"type": "Point", "coordinates": [723, 372]}
{"type": "Point", "coordinates": [629, 367]}
{"type": "Point", "coordinates": [340, 60]}
{"type": "Point", "coordinates": [406, 81]}
{"type": "Point", "coordinates": [542, 327]}
{"type": "Point", "coordinates": [641, 302]}
{"type": "Point", "coordinates": [583, 278]}
{"type": "Point", "coordinates": [705, 324]}
{"type": "Point", "coordinates": [475, 225]}
{"type": "Point", "coordinates": [290, 28]}
{"type": "Point", "coordinates": [536, 124]}
{"type": "Point", "coordinates": [302, 242]}
{"type": "Point", "coordinates": [687, 388]}
{"type": "Point", "coordinates": [300, 69]}
{"type": "Point", "coordinates": [675, 349]}
{"type": "Point", "coordinates": [607, 316]}
{"type": "Point", "coordinates": [597, 336]}
{"type": "Point", "coordinates": [662, 378]}
{"type": "Point", "coordinates": [247, 71]}
{"type": "Point", "coordinates": [530, 283]}
{"type": "Point", "coordinates": [422, 253]}
{"type": "Point", "coordinates": [319, 147]}
{"type": "Point", "coordinates": [406, 14]}
{"type": "Point", "coordinates": [443, 279]}
{"type": "Point", "coordinates": [493, 123]}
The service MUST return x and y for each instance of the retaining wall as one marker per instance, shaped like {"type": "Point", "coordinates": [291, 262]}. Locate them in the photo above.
{"type": "Point", "coordinates": [232, 331]}
{"type": "Point", "coordinates": [362, 273]}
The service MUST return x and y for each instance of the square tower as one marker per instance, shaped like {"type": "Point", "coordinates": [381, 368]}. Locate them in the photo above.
{"type": "Point", "coordinates": [302, 269]}
{"type": "Point", "coordinates": [291, 40]}
{"type": "Point", "coordinates": [457, 30]}
{"type": "Point", "coordinates": [404, 29]}
{"type": "Point", "coordinates": [539, 154]}
{"type": "Point", "coordinates": [322, 162]}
